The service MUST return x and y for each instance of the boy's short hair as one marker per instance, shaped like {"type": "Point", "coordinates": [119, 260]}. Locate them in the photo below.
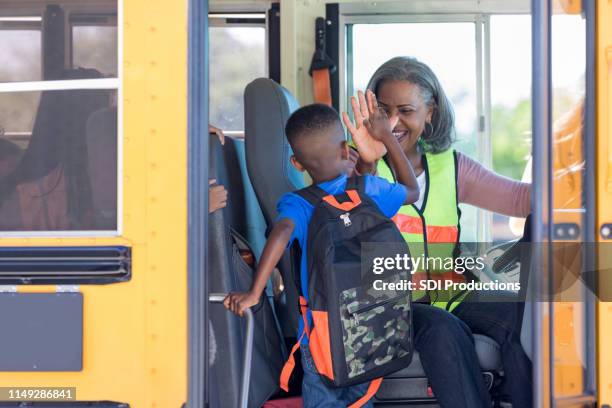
{"type": "Point", "coordinates": [310, 120]}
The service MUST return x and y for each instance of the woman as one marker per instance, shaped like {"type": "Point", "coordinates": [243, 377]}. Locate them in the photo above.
{"type": "Point", "coordinates": [422, 120]}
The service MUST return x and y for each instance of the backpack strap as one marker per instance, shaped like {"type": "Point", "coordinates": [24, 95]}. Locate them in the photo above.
{"type": "Point", "coordinates": [313, 194]}
{"type": "Point", "coordinates": [356, 183]}
{"type": "Point", "coordinates": [371, 391]}
{"type": "Point", "coordinates": [290, 363]}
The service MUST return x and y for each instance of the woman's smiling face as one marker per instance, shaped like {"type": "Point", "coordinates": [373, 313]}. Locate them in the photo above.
{"type": "Point", "coordinates": [403, 100]}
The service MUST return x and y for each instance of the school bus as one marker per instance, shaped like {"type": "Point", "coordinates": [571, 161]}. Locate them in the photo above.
{"type": "Point", "coordinates": [112, 268]}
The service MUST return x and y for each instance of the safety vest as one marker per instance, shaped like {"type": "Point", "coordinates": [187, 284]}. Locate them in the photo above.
{"type": "Point", "coordinates": [437, 222]}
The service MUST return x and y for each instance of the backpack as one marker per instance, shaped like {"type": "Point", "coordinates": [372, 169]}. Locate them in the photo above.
{"type": "Point", "coordinates": [358, 334]}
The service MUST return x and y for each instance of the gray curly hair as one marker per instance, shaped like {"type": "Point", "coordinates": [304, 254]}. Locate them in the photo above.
{"type": "Point", "coordinates": [441, 135]}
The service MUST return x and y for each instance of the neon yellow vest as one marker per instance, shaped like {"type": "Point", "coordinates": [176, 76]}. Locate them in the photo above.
{"type": "Point", "coordinates": [436, 222]}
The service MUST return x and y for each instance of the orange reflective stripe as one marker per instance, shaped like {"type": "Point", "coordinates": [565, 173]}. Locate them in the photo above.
{"type": "Point", "coordinates": [372, 389]}
{"type": "Point", "coordinates": [347, 205]}
{"type": "Point", "coordinates": [321, 86]}
{"type": "Point", "coordinates": [435, 233]}
{"type": "Point", "coordinates": [408, 224]}
{"type": "Point", "coordinates": [442, 234]}
{"type": "Point", "coordinates": [320, 345]}
{"type": "Point", "coordinates": [289, 365]}
{"type": "Point", "coordinates": [438, 276]}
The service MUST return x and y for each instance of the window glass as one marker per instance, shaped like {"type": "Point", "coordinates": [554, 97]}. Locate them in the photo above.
{"type": "Point", "coordinates": [58, 161]}
{"type": "Point", "coordinates": [20, 54]}
{"type": "Point", "coordinates": [95, 47]}
{"type": "Point", "coordinates": [58, 141]}
{"type": "Point", "coordinates": [510, 108]}
{"type": "Point", "coordinates": [453, 62]}
{"type": "Point", "coordinates": [237, 56]}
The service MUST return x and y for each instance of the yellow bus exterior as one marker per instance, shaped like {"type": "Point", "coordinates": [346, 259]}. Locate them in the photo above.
{"type": "Point", "coordinates": [135, 332]}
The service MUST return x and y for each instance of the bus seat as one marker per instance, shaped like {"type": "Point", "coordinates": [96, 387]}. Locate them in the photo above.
{"type": "Point", "coordinates": [229, 270]}
{"type": "Point", "coordinates": [255, 221]}
{"type": "Point", "coordinates": [267, 107]}
{"type": "Point", "coordinates": [50, 182]}
{"type": "Point", "coordinates": [102, 166]}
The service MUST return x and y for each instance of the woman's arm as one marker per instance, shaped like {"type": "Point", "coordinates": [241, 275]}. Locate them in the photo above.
{"type": "Point", "coordinates": [486, 189]}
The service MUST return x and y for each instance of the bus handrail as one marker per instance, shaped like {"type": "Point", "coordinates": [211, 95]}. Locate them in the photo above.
{"type": "Point", "coordinates": [247, 358]}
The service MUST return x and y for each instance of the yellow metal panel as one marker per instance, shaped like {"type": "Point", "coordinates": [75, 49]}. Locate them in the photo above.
{"type": "Point", "coordinates": [135, 333]}
{"type": "Point", "coordinates": [604, 190]}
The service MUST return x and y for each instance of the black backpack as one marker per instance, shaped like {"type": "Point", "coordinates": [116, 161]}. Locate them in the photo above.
{"type": "Point", "coordinates": [358, 333]}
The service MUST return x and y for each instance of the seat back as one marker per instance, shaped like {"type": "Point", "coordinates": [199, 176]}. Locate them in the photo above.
{"type": "Point", "coordinates": [267, 107]}
{"type": "Point", "coordinates": [102, 167]}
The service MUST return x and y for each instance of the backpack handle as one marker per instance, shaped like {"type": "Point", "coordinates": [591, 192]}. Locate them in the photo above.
{"type": "Point", "coordinates": [315, 194]}
{"type": "Point", "coordinates": [354, 198]}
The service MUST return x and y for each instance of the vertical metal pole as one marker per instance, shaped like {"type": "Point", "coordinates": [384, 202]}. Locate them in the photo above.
{"type": "Point", "coordinates": [588, 143]}
{"type": "Point", "coordinates": [485, 218]}
{"type": "Point", "coordinates": [197, 204]}
{"type": "Point", "coordinates": [541, 195]}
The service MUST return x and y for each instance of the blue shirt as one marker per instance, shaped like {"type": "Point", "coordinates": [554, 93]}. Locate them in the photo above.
{"type": "Point", "coordinates": [389, 197]}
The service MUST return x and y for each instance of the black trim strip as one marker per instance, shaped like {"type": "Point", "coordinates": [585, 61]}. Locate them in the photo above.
{"type": "Point", "coordinates": [65, 265]}
{"type": "Point", "coordinates": [332, 46]}
{"type": "Point", "coordinates": [274, 46]}
{"type": "Point", "coordinates": [457, 195]}
{"type": "Point", "coordinates": [427, 183]}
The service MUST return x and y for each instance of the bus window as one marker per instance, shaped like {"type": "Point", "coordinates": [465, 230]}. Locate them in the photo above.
{"type": "Point", "coordinates": [20, 49]}
{"type": "Point", "coordinates": [510, 108]}
{"type": "Point", "coordinates": [95, 46]}
{"type": "Point", "coordinates": [369, 45]}
{"type": "Point", "coordinates": [59, 119]}
{"type": "Point", "coordinates": [237, 56]}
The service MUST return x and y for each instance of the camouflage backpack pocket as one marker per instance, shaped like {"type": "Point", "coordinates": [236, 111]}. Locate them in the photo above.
{"type": "Point", "coordinates": [375, 326]}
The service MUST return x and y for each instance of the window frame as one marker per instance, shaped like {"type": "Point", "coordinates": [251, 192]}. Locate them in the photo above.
{"type": "Point", "coordinates": [80, 84]}
{"type": "Point", "coordinates": [223, 19]}
{"type": "Point", "coordinates": [444, 12]}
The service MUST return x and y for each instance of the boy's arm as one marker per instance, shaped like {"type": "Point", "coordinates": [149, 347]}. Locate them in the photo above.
{"type": "Point", "coordinates": [403, 169]}
{"type": "Point", "coordinates": [379, 127]}
{"type": "Point", "coordinates": [272, 253]}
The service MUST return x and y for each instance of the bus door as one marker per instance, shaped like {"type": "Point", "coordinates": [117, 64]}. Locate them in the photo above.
{"type": "Point", "coordinates": [562, 301]}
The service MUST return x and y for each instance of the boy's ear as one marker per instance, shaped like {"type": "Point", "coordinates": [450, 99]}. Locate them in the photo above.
{"type": "Point", "coordinates": [295, 163]}
{"type": "Point", "coordinates": [345, 150]}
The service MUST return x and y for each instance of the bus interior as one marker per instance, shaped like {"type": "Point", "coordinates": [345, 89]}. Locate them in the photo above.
{"type": "Point", "coordinates": [64, 166]}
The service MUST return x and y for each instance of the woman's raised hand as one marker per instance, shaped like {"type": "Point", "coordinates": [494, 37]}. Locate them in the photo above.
{"type": "Point", "coordinates": [370, 149]}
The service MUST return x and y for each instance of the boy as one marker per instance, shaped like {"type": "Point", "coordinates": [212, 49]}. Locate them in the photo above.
{"type": "Point", "coordinates": [317, 138]}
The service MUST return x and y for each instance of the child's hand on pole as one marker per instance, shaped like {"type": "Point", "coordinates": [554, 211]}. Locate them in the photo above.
{"type": "Point", "coordinates": [238, 302]}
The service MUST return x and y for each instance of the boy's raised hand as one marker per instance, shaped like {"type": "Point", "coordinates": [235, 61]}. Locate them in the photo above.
{"type": "Point", "coordinates": [377, 123]}
{"type": "Point", "coordinates": [369, 148]}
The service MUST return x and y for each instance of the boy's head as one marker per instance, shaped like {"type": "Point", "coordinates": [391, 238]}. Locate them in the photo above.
{"type": "Point", "coordinates": [316, 136]}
